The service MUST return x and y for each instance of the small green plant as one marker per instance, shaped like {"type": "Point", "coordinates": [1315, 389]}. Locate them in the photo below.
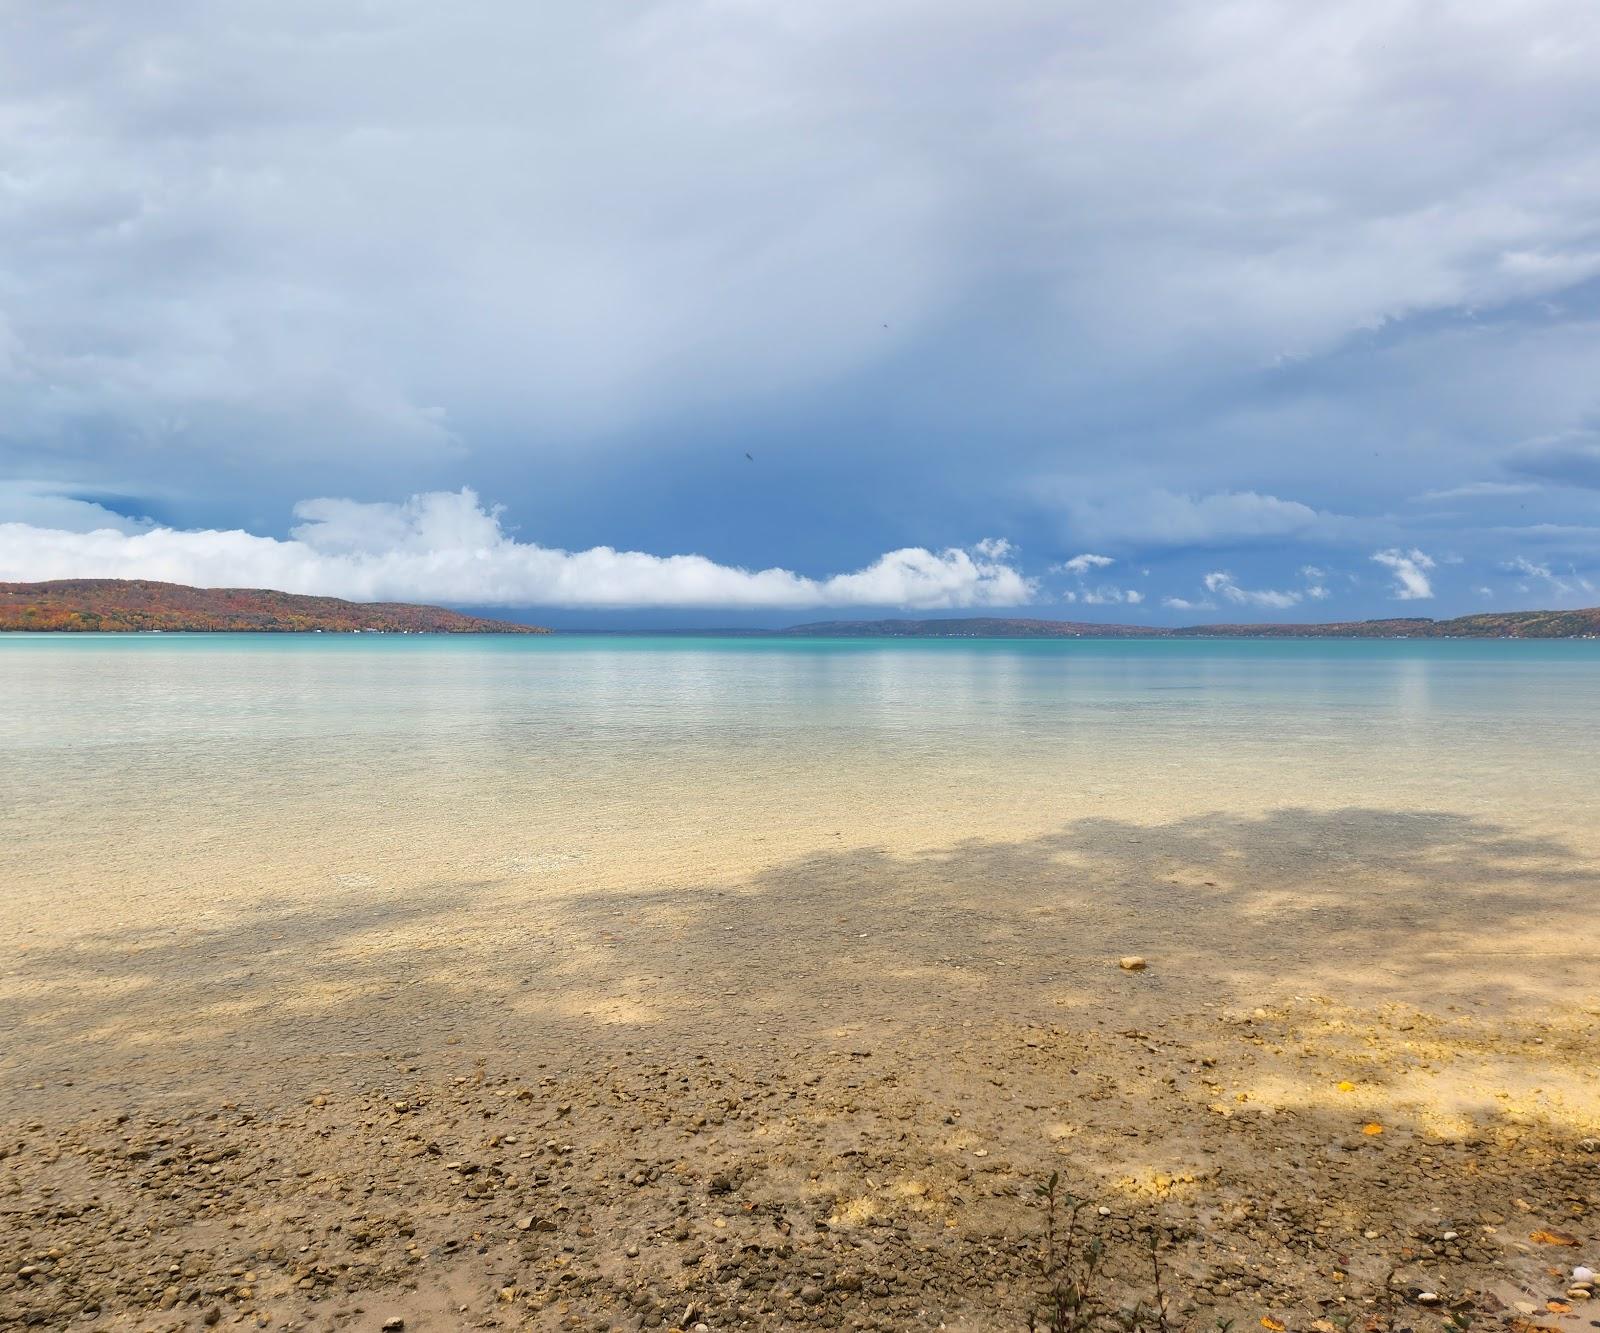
{"type": "Point", "coordinates": [1068, 1300]}
{"type": "Point", "coordinates": [1071, 1270]}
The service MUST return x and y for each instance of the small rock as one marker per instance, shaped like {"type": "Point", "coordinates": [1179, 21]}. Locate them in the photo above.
{"type": "Point", "coordinates": [393, 1324]}
{"type": "Point", "coordinates": [811, 1294]}
{"type": "Point", "coordinates": [1132, 963]}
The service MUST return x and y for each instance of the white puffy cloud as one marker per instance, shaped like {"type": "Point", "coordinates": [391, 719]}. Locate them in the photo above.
{"type": "Point", "coordinates": [1315, 588]}
{"type": "Point", "coordinates": [1410, 570]}
{"type": "Point", "coordinates": [1082, 564]}
{"type": "Point", "coordinates": [1223, 585]}
{"type": "Point", "coordinates": [1105, 594]}
{"type": "Point", "coordinates": [994, 548]}
{"type": "Point", "coordinates": [447, 547]}
{"type": "Point", "coordinates": [1109, 595]}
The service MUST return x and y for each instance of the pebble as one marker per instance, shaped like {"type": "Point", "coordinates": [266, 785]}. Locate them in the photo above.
{"type": "Point", "coordinates": [785, 1269]}
{"type": "Point", "coordinates": [1132, 963]}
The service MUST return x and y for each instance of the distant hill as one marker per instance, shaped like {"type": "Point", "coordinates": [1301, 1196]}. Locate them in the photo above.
{"type": "Point", "coordinates": [1491, 625]}
{"type": "Point", "coordinates": [89, 605]}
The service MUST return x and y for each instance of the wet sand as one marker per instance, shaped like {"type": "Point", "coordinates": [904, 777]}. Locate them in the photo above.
{"type": "Point", "coordinates": [817, 1082]}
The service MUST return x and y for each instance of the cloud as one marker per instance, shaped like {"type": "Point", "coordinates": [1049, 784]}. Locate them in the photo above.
{"type": "Point", "coordinates": [1479, 490]}
{"type": "Point", "coordinates": [46, 506]}
{"type": "Point", "coordinates": [1082, 564]}
{"type": "Point", "coordinates": [1314, 575]}
{"type": "Point", "coordinates": [1219, 583]}
{"type": "Point", "coordinates": [1162, 518]}
{"type": "Point", "coordinates": [1105, 594]}
{"type": "Point", "coordinates": [1109, 595]}
{"type": "Point", "coordinates": [1522, 565]}
{"type": "Point", "coordinates": [994, 548]}
{"type": "Point", "coordinates": [1565, 585]}
{"type": "Point", "coordinates": [447, 547]}
{"type": "Point", "coordinates": [1223, 585]}
{"type": "Point", "coordinates": [334, 233]}
{"type": "Point", "coordinates": [1571, 458]}
{"type": "Point", "coordinates": [1410, 573]}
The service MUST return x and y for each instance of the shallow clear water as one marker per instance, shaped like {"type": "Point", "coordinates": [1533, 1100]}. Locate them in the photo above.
{"type": "Point", "coordinates": [256, 764]}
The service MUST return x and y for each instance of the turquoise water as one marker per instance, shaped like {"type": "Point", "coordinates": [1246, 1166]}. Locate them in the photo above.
{"type": "Point", "coordinates": [236, 763]}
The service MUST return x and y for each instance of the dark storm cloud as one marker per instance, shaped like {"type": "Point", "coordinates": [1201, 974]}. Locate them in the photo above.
{"type": "Point", "coordinates": [1569, 460]}
{"type": "Point", "coordinates": [1177, 280]}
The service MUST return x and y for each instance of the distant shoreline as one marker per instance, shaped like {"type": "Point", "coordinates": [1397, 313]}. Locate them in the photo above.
{"type": "Point", "coordinates": [124, 606]}
{"type": "Point", "coordinates": [121, 606]}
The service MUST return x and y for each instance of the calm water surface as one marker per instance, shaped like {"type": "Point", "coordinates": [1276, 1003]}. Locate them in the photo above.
{"type": "Point", "coordinates": [215, 764]}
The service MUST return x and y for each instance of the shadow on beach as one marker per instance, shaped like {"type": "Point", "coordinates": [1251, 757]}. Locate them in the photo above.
{"type": "Point", "coordinates": [1357, 1030]}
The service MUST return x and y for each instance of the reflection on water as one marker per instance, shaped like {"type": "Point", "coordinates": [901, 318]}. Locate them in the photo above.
{"type": "Point", "coordinates": [236, 763]}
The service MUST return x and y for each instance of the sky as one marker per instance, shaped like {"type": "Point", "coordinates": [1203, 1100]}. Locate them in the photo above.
{"type": "Point", "coordinates": [737, 312]}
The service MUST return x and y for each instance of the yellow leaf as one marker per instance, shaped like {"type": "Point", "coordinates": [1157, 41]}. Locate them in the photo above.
{"type": "Point", "coordinates": [1345, 1085]}
{"type": "Point", "coordinates": [1553, 1238]}
{"type": "Point", "coordinates": [1373, 1128]}
{"type": "Point", "coordinates": [1267, 1321]}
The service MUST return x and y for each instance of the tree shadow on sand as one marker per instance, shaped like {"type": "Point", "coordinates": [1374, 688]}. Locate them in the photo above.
{"type": "Point", "coordinates": [881, 1054]}
{"type": "Point", "coordinates": [1426, 908]}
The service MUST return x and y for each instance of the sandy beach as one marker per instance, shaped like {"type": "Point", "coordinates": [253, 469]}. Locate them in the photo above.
{"type": "Point", "coordinates": [1354, 1087]}
{"type": "Point", "coordinates": [717, 666]}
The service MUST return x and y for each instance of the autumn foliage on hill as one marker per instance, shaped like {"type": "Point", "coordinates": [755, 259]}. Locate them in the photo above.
{"type": "Point", "coordinates": [79, 605]}
{"type": "Point", "coordinates": [1582, 624]}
